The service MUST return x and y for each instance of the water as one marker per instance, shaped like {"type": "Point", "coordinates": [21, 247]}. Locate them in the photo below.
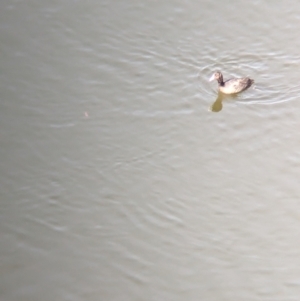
{"type": "Point", "coordinates": [124, 176]}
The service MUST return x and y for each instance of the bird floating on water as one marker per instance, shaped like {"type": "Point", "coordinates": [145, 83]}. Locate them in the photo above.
{"type": "Point", "coordinates": [233, 85]}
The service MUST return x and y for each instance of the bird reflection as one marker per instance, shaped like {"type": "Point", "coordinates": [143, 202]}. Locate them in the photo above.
{"type": "Point", "coordinates": [218, 104]}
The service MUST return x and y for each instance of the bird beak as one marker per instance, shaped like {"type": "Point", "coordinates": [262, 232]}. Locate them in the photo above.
{"type": "Point", "coordinates": [212, 78]}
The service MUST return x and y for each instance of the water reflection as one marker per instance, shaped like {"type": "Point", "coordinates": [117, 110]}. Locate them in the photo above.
{"type": "Point", "coordinates": [218, 104]}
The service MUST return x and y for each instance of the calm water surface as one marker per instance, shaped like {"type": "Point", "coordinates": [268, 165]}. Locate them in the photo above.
{"type": "Point", "coordinates": [124, 176]}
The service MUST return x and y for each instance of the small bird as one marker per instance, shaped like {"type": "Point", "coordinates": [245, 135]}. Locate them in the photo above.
{"type": "Point", "coordinates": [232, 86]}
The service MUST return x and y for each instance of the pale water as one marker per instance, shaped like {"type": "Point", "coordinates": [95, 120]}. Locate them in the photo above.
{"type": "Point", "coordinates": [124, 176]}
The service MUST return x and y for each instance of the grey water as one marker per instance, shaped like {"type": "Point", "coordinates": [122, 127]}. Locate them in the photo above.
{"type": "Point", "coordinates": [125, 175]}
